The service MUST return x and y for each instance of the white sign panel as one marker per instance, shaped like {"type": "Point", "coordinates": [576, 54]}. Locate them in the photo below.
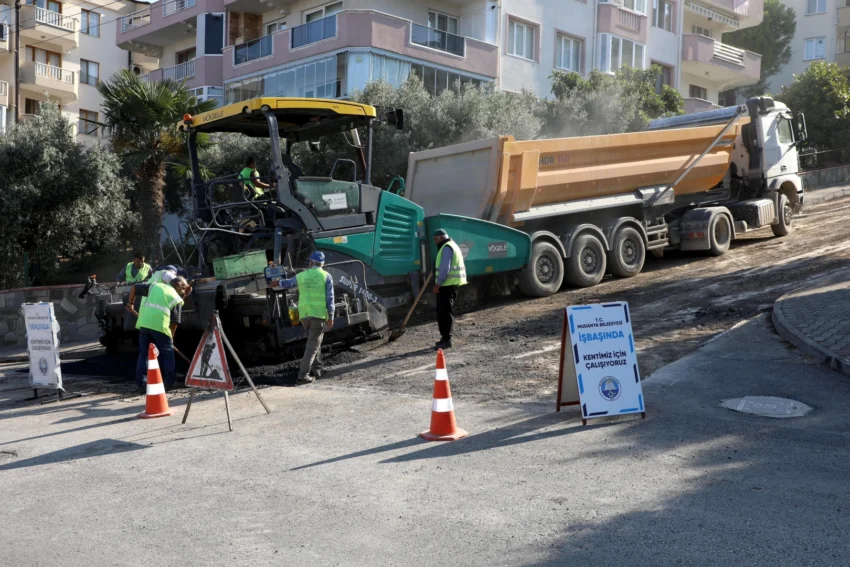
{"type": "Point", "coordinates": [43, 345]}
{"type": "Point", "coordinates": [603, 355]}
{"type": "Point", "coordinates": [335, 201]}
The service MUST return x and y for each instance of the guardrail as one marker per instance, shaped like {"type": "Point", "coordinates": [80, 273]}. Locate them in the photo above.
{"type": "Point", "coordinates": [55, 19]}
{"type": "Point", "coordinates": [313, 32]}
{"type": "Point", "coordinates": [629, 20]}
{"type": "Point", "coordinates": [55, 73]}
{"type": "Point", "coordinates": [728, 53]}
{"type": "Point", "coordinates": [252, 50]}
{"type": "Point", "coordinates": [175, 6]}
{"type": "Point", "coordinates": [437, 39]}
{"type": "Point", "coordinates": [180, 72]}
{"type": "Point", "coordinates": [136, 20]}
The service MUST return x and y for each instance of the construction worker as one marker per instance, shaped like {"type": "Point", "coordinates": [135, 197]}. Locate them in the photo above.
{"type": "Point", "coordinates": [158, 318]}
{"type": "Point", "coordinates": [136, 271]}
{"type": "Point", "coordinates": [250, 177]}
{"type": "Point", "coordinates": [451, 274]}
{"type": "Point", "coordinates": [161, 274]}
{"type": "Point", "coordinates": [316, 311]}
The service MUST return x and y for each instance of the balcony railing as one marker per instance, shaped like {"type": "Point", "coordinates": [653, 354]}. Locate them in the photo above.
{"type": "Point", "coordinates": [629, 20]}
{"type": "Point", "coordinates": [180, 72]}
{"type": "Point", "coordinates": [252, 50]}
{"type": "Point", "coordinates": [4, 88]}
{"type": "Point", "coordinates": [313, 32]}
{"type": "Point", "coordinates": [439, 40]}
{"type": "Point", "coordinates": [136, 20]}
{"type": "Point", "coordinates": [55, 73]}
{"type": "Point", "coordinates": [728, 53]}
{"type": "Point", "coordinates": [174, 6]}
{"type": "Point", "coordinates": [55, 19]}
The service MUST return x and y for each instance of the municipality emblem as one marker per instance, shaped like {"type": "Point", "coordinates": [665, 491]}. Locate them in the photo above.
{"type": "Point", "coordinates": [42, 365]}
{"type": "Point", "coordinates": [609, 388]}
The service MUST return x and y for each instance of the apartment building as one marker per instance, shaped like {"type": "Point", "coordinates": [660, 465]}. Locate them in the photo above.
{"type": "Point", "coordinates": [65, 49]}
{"type": "Point", "coordinates": [822, 35]}
{"type": "Point", "coordinates": [232, 50]}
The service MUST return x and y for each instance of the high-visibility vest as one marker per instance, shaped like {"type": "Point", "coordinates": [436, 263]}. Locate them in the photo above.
{"type": "Point", "coordinates": [246, 175]}
{"type": "Point", "coordinates": [312, 295]}
{"type": "Point", "coordinates": [457, 270]}
{"type": "Point", "coordinates": [140, 276]}
{"type": "Point", "coordinates": [155, 278]}
{"type": "Point", "coordinates": [155, 314]}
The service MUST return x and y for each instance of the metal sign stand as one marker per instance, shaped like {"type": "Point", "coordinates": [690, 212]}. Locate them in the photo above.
{"type": "Point", "coordinates": [197, 380]}
{"type": "Point", "coordinates": [60, 393]}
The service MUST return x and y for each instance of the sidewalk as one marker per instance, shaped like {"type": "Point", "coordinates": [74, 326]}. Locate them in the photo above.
{"type": "Point", "coordinates": [822, 195]}
{"type": "Point", "coordinates": [816, 319]}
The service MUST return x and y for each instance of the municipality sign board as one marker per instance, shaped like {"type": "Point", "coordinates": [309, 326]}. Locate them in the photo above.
{"type": "Point", "coordinates": [599, 369]}
{"type": "Point", "coordinates": [43, 345]}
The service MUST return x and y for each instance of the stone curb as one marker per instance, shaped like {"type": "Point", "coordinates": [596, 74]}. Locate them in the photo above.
{"type": "Point", "coordinates": [803, 342]}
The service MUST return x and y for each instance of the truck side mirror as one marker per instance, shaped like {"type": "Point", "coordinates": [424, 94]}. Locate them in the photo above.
{"type": "Point", "coordinates": [799, 124]}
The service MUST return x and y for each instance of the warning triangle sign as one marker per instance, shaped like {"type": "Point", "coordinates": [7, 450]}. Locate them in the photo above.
{"type": "Point", "coordinates": [209, 365]}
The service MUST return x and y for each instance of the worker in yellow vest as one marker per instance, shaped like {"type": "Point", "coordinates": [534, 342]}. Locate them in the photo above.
{"type": "Point", "coordinates": [451, 274]}
{"type": "Point", "coordinates": [136, 271]}
{"type": "Point", "coordinates": [316, 311]}
{"type": "Point", "coordinates": [158, 318]}
{"type": "Point", "coordinates": [250, 177]}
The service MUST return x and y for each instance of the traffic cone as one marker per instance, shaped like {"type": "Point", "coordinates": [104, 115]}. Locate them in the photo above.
{"type": "Point", "coordinates": [156, 404]}
{"type": "Point", "coordinates": [443, 425]}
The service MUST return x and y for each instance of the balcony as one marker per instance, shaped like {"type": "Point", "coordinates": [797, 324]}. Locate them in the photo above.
{"type": "Point", "coordinates": [619, 21]}
{"type": "Point", "coordinates": [359, 29]}
{"type": "Point", "coordinates": [725, 66]}
{"type": "Point", "coordinates": [693, 105]}
{"type": "Point", "coordinates": [201, 72]}
{"type": "Point", "coordinates": [748, 13]}
{"type": "Point", "coordinates": [44, 26]}
{"type": "Point", "coordinates": [57, 83]}
{"type": "Point", "coordinates": [163, 23]}
{"type": "Point", "coordinates": [439, 40]}
{"type": "Point", "coordinates": [4, 37]}
{"type": "Point", "coordinates": [4, 93]}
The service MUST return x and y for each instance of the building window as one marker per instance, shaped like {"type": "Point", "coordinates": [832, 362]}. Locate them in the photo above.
{"type": "Point", "coordinates": [442, 22]}
{"type": "Point", "coordinates": [90, 23]}
{"type": "Point", "coordinates": [695, 91]}
{"type": "Point", "coordinates": [815, 48]}
{"type": "Point", "coordinates": [635, 5]}
{"type": "Point", "coordinates": [272, 27]}
{"type": "Point", "coordinates": [32, 106]}
{"type": "Point", "coordinates": [665, 77]}
{"type": "Point", "coordinates": [696, 30]}
{"type": "Point", "coordinates": [816, 7]}
{"type": "Point", "coordinates": [185, 56]}
{"type": "Point", "coordinates": [50, 58]}
{"type": "Point", "coordinates": [617, 52]}
{"type": "Point", "coordinates": [662, 15]}
{"type": "Point", "coordinates": [88, 124]}
{"type": "Point", "coordinates": [521, 40]}
{"type": "Point", "coordinates": [323, 12]}
{"type": "Point", "coordinates": [318, 79]}
{"type": "Point", "coordinates": [49, 5]}
{"type": "Point", "coordinates": [89, 72]}
{"type": "Point", "coordinates": [569, 54]}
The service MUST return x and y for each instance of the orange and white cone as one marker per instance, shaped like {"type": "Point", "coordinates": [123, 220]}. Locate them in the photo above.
{"type": "Point", "coordinates": [156, 404]}
{"type": "Point", "coordinates": [443, 425]}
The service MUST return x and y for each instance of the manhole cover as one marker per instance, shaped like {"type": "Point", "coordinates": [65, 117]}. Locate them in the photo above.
{"type": "Point", "coordinates": [767, 406]}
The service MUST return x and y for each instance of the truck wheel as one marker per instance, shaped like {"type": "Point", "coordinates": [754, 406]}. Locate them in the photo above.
{"type": "Point", "coordinates": [586, 264]}
{"type": "Point", "coordinates": [720, 235]}
{"type": "Point", "coordinates": [627, 254]}
{"type": "Point", "coordinates": [545, 271]}
{"type": "Point", "coordinates": [785, 214]}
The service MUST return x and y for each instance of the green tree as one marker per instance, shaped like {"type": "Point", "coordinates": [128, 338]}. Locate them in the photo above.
{"type": "Point", "coordinates": [58, 197]}
{"type": "Point", "coordinates": [771, 39]}
{"type": "Point", "coordinates": [143, 116]}
{"type": "Point", "coordinates": [822, 93]}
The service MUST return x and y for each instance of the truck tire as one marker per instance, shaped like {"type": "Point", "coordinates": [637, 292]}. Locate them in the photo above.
{"type": "Point", "coordinates": [720, 235]}
{"type": "Point", "coordinates": [785, 215]}
{"type": "Point", "coordinates": [587, 262]}
{"type": "Point", "coordinates": [628, 252]}
{"type": "Point", "coordinates": [545, 272]}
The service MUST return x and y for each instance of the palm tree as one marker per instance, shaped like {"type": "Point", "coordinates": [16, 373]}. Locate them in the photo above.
{"type": "Point", "coordinates": [143, 116]}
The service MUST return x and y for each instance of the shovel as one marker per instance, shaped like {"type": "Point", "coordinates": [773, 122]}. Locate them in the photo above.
{"type": "Point", "coordinates": [397, 333]}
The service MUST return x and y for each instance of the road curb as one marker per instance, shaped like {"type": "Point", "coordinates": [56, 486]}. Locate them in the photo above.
{"type": "Point", "coordinates": [803, 342]}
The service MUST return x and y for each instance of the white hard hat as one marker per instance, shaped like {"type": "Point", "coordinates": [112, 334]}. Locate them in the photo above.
{"type": "Point", "coordinates": [168, 275]}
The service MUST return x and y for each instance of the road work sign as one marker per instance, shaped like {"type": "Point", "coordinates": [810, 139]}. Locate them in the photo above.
{"type": "Point", "coordinates": [43, 346]}
{"type": "Point", "coordinates": [209, 365]}
{"type": "Point", "coordinates": [599, 369]}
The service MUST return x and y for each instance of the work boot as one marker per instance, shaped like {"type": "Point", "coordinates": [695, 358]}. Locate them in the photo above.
{"type": "Point", "coordinates": [443, 345]}
{"type": "Point", "coordinates": [305, 380]}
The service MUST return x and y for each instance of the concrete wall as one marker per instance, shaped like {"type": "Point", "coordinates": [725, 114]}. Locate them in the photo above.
{"type": "Point", "coordinates": [76, 316]}
{"type": "Point", "coordinates": [828, 177]}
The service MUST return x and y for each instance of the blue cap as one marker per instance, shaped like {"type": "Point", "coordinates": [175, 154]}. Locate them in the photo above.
{"type": "Point", "coordinates": [318, 257]}
{"type": "Point", "coordinates": [440, 232]}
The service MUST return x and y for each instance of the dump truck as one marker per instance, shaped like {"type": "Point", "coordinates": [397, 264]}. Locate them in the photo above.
{"type": "Point", "coordinates": [598, 204]}
{"type": "Point", "coordinates": [377, 244]}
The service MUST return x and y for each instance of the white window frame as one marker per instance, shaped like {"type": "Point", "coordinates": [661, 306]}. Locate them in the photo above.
{"type": "Point", "coordinates": [659, 11]}
{"type": "Point", "coordinates": [820, 7]}
{"type": "Point", "coordinates": [703, 32]}
{"type": "Point", "coordinates": [638, 6]}
{"type": "Point", "coordinates": [526, 28]}
{"type": "Point", "coordinates": [89, 27]}
{"type": "Point", "coordinates": [323, 11]}
{"type": "Point", "coordinates": [606, 43]}
{"type": "Point", "coordinates": [277, 26]}
{"type": "Point", "coordinates": [815, 56]}
{"type": "Point", "coordinates": [703, 89]}
{"type": "Point", "coordinates": [448, 17]}
{"type": "Point", "coordinates": [575, 43]}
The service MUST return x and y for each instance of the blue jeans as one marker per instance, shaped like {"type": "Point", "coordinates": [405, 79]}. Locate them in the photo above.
{"type": "Point", "coordinates": [166, 357]}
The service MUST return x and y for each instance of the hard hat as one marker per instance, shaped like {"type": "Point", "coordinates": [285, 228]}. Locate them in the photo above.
{"type": "Point", "coordinates": [318, 257]}
{"type": "Point", "coordinates": [440, 232]}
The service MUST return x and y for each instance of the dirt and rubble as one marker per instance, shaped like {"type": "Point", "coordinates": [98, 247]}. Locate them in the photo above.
{"type": "Point", "coordinates": [509, 349]}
